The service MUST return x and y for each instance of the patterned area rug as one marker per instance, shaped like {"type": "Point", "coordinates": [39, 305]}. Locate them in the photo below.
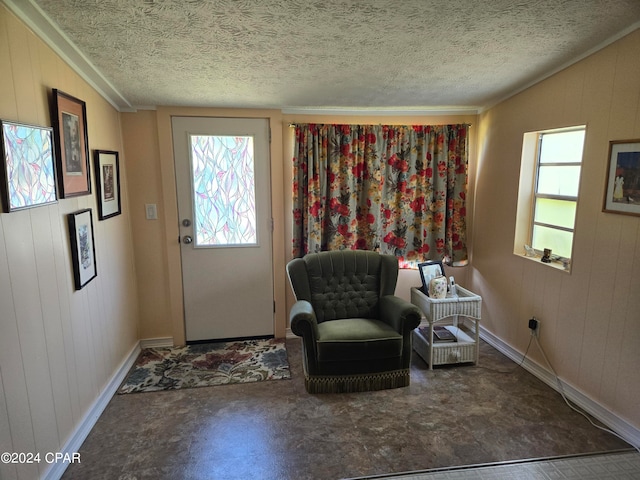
{"type": "Point", "coordinates": [205, 365]}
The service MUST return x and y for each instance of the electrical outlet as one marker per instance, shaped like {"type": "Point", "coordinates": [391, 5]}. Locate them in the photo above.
{"type": "Point", "coordinates": [534, 325]}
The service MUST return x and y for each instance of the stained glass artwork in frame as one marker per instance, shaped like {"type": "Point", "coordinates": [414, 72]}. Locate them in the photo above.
{"type": "Point", "coordinates": [28, 172]}
{"type": "Point", "coordinates": [224, 196]}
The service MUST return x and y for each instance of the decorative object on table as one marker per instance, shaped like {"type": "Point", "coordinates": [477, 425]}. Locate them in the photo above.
{"type": "Point", "coordinates": [429, 270]}
{"type": "Point", "coordinates": [452, 287]}
{"type": "Point", "coordinates": [622, 190]}
{"type": "Point", "coordinates": [69, 118]}
{"type": "Point", "coordinates": [107, 171]}
{"type": "Point", "coordinates": [546, 257]}
{"type": "Point", "coordinates": [438, 287]}
{"type": "Point", "coordinates": [208, 364]}
{"type": "Point", "coordinates": [28, 174]}
{"type": "Point", "coordinates": [83, 252]}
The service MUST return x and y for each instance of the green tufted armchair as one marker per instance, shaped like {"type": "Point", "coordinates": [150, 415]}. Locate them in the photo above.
{"type": "Point", "coordinates": [356, 335]}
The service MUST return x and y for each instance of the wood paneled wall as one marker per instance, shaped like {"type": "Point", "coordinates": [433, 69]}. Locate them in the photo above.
{"type": "Point", "coordinates": [590, 318]}
{"type": "Point", "coordinates": [58, 347]}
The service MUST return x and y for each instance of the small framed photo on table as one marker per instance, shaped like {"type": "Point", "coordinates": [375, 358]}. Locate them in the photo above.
{"type": "Point", "coordinates": [107, 171]}
{"type": "Point", "coordinates": [69, 118]}
{"type": "Point", "coordinates": [429, 270]}
{"type": "Point", "coordinates": [83, 251]}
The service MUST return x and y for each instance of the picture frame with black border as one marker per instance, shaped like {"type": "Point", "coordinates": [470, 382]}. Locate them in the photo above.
{"type": "Point", "coordinates": [83, 251]}
{"type": "Point", "coordinates": [429, 270]}
{"type": "Point", "coordinates": [69, 119]}
{"type": "Point", "coordinates": [107, 173]}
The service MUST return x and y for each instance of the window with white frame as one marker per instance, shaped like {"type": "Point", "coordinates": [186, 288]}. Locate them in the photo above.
{"type": "Point", "coordinates": [556, 193]}
{"type": "Point", "coordinates": [549, 187]}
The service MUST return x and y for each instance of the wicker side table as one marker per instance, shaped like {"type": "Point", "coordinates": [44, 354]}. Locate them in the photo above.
{"type": "Point", "coordinates": [448, 310]}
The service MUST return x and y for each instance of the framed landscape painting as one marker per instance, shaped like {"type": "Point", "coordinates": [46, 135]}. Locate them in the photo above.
{"type": "Point", "coordinates": [69, 118]}
{"type": "Point", "coordinates": [28, 174]}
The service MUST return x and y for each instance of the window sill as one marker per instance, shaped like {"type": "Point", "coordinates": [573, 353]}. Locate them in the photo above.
{"type": "Point", "coordinates": [554, 264]}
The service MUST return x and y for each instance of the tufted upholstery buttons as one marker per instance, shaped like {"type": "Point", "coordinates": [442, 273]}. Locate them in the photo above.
{"type": "Point", "coordinates": [338, 293]}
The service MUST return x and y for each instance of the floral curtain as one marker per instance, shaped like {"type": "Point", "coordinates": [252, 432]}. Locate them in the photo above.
{"type": "Point", "coordinates": [393, 189]}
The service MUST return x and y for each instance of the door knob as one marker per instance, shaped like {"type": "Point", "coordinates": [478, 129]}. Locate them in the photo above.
{"type": "Point", "coordinates": [187, 239]}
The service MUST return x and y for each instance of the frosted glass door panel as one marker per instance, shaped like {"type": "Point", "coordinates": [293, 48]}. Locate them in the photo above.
{"type": "Point", "coordinates": [224, 195]}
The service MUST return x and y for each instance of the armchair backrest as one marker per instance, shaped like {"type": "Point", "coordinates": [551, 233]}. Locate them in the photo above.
{"type": "Point", "coordinates": [343, 283]}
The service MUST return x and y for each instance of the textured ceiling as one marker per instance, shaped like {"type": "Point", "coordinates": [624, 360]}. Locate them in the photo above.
{"type": "Point", "coordinates": [333, 53]}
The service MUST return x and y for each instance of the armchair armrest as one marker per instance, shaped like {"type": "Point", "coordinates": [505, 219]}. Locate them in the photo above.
{"type": "Point", "coordinates": [403, 316]}
{"type": "Point", "coordinates": [305, 324]}
{"type": "Point", "coordinates": [303, 320]}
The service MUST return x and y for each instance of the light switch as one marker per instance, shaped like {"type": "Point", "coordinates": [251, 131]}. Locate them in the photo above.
{"type": "Point", "coordinates": [152, 211]}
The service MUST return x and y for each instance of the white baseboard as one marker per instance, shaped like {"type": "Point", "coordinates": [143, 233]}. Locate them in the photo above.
{"type": "Point", "coordinates": [158, 342]}
{"type": "Point", "coordinates": [85, 425]}
{"type": "Point", "coordinates": [620, 426]}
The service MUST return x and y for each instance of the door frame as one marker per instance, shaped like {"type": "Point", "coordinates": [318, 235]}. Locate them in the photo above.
{"type": "Point", "coordinates": [201, 323]}
{"type": "Point", "coordinates": [169, 205]}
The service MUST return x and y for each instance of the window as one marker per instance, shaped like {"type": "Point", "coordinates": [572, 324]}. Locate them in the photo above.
{"type": "Point", "coordinates": [556, 193]}
{"type": "Point", "coordinates": [551, 165]}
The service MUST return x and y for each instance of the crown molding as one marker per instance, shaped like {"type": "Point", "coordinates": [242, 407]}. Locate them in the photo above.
{"type": "Point", "coordinates": [38, 21]}
{"type": "Point", "coordinates": [381, 111]}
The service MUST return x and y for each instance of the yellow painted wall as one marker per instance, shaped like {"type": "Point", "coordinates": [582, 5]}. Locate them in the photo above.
{"type": "Point", "coordinates": [590, 318]}
{"type": "Point", "coordinates": [147, 139]}
{"type": "Point", "coordinates": [140, 139]}
{"type": "Point", "coordinates": [58, 348]}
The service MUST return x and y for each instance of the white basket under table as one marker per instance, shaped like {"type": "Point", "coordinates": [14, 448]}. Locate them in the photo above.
{"type": "Point", "coordinates": [448, 311]}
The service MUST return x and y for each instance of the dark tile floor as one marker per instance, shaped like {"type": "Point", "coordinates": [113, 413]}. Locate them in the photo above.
{"type": "Point", "coordinates": [448, 416]}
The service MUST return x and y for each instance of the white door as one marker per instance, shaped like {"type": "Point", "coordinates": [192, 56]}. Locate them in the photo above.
{"type": "Point", "coordinates": [224, 208]}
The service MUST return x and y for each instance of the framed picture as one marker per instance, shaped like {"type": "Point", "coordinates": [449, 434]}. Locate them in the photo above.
{"type": "Point", "coordinates": [428, 270]}
{"type": "Point", "coordinates": [107, 171]}
{"type": "Point", "coordinates": [69, 118]}
{"type": "Point", "coordinates": [83, 252]}
{"type": "Point", "coordinates": [28, 174]}
{"type": "Point", "coordinates": [622, 190]}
